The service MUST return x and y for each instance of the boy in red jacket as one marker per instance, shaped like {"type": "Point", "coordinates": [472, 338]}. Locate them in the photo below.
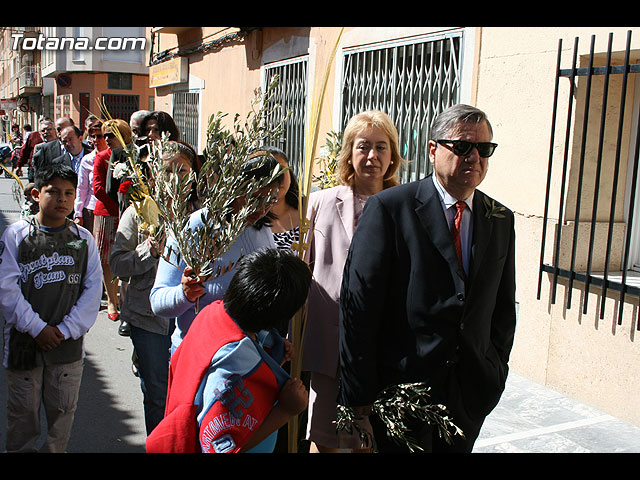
{"type": "Point", "coordinates": [227, 389]}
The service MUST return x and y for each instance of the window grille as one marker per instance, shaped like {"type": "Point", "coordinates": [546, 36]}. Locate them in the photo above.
{"type": "Point", "coordinates": [121, 106]}
{"type": "Point", "coordinates": [591, 180]}
{"type": "Point", "coordinates": [410, 82]}
{"type": "Point", "coordinates": [291, 95]}
{"type": "Point", "coordinates": [186, 115]}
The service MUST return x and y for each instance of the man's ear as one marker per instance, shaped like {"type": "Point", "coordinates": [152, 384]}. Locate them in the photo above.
{"type": "Point", "coordinates": [35, 194]}
{"type": "Point", "coordinates": [432, 145]}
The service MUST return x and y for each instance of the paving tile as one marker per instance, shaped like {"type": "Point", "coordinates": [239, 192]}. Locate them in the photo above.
{"type": "Point", "coordinates": [533, 418]}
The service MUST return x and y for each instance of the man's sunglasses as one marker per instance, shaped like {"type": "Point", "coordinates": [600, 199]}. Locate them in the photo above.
{"type": "Point", "coordinates": [462, 147]}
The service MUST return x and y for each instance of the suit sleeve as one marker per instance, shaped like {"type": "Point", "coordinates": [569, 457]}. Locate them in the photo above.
{"type": "Point", "coordinates": [504, 317]}
{"type": "Point", "coordinates": [483, 368]}
{"type": "Point", "coordinates": [37, 155]}
{"type": "Point", "coordinates": [365, 285]}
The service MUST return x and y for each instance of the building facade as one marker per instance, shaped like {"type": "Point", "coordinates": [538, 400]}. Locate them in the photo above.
{"type": "Point", "coordinates": [70, 71]}
{"type": "Point", "coordinates": [564, 105]}
{"type": "Point", "coordinates": [21, 83]}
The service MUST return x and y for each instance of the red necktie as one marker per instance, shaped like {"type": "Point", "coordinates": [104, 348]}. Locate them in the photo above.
{"type": "Point", "coordinates": [455, 231]}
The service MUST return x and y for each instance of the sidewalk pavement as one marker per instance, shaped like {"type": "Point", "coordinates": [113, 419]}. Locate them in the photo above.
{"type": "Point", "coordinates": [531, 418]}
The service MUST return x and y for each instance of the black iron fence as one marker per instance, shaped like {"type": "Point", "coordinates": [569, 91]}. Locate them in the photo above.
{"type": "Point", "coordinates": [593, 183]}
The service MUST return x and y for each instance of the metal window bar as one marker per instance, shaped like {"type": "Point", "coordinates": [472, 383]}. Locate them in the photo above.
{"type": "Point", "coordinates": [121, 106]}
{"type": "Point", "coordinates": [412, 83]}
{"type": "Point", "coordinates": [291, 96]}
{"type": "Point", "coordinates": [588, 278]}
{"type": "Point", "coordinates": [186, 115]}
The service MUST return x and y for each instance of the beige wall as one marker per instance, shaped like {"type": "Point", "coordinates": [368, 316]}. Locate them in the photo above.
{"type": "Point", "coordinates": [589, 358]}
{"type": "Point", "coordinates": [516, 74]}
{"type": "Point", "coordinates": [226, 80]}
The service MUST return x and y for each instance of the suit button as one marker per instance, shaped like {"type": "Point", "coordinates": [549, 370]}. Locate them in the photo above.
{"type": "Point", "coordinates": [461, 297]}
{"type": "Point", "coordinates": [461, 325]}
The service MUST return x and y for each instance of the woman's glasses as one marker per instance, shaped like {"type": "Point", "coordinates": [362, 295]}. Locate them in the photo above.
{"type": "Point", "coordinates": [463, 147]}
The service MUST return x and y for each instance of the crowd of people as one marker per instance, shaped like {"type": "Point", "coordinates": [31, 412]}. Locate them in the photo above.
{"type": "Point", "coordinates": [403, 282]}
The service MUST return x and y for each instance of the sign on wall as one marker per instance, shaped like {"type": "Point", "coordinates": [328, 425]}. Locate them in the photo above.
{"type": "Point", "coordinates": [170, 72]}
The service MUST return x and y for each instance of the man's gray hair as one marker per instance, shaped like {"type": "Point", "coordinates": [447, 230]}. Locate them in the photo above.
{"type": "Point", "coordinates": [459, 113]}
{"type": "Point", "coordinates": [140, 114]}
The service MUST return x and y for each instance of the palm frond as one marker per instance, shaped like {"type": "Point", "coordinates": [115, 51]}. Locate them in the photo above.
{"type": "Point", "coordinates": [302, 245]}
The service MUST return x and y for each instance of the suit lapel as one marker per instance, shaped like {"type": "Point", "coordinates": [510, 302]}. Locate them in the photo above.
{"type": "Point", "coordinates": [482, 228]}
{"type": "Point", "coordinates": [345, 207]}
{"type": "Point", "coordinates": [432, 217]}
{"type": "Point", "coordinates": [68, 160]}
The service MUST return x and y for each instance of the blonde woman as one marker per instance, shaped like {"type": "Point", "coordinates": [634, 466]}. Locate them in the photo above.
{"type": "Point", "coordinates": [367, 164]}
{"type": "Point", "coordinates": [106, 210]}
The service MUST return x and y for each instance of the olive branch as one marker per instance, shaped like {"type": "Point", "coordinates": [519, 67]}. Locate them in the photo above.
{"type": "Point", "coordinates": [227, 192]}
{"type": "Point", "coordinates": [328, 161]}
{"type": "Point", "coordinates": [224, 188]}
{"type": "Point", "coordinates": [394, 406]}
{"type": "Point", "coordinates": [492, 209]}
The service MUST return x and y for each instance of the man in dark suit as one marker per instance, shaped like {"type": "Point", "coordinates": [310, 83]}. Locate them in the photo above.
{"type": "Point", "coordinates": [75, 149]}
{"type": "Point", "coordinates": [52, 147]}
{"type": "Point", "coordinates": [414, 307]}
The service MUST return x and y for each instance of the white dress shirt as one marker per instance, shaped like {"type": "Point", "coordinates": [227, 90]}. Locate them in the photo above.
{"type": "Point", "coordinates": [84, 193]}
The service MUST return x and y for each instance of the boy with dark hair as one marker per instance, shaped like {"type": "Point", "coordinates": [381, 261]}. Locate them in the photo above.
{"type": "Point", "coordinates": [50, 279]}
{"type": "Point", "coordinates": [227, 389]}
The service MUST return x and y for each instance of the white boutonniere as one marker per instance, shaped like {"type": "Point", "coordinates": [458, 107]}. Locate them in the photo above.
{"type": "Point", "coordinates": [120, 170]}
{"type": "Point", "coordinates": [493, 210]}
